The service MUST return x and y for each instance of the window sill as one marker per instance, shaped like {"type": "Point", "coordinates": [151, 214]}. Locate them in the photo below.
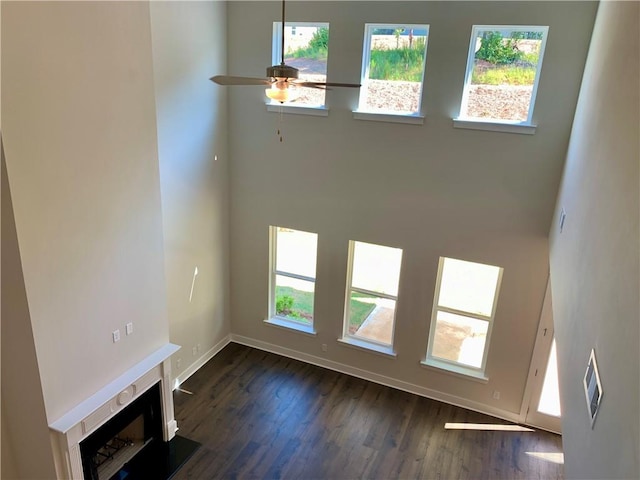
{"type": "Point", "coordinates": [495, 126]}
{"type": "Point", "coordinates": [370, 347]}
{"type": "Point", "coordinates": [409, 118]}
{"type": "Point", "coordinates": [456, 370]}
{"type": "Point", "coordinates": [318, 111]}
{"type": "Point", "coordinates": [289, 325]}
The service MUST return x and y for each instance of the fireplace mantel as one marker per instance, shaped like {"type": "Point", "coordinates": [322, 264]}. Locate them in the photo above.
{"type": "Point", "coordinates": [69, 430]}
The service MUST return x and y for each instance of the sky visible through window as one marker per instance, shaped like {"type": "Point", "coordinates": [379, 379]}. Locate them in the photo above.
{"type": "Point", "coordinates": [376, 268]}
{"type": "Point", "coordinates": [467, 286]}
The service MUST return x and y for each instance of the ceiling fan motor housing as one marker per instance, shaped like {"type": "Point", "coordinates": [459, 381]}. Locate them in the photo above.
{"type": "Point", "coordinates": [282, 71]}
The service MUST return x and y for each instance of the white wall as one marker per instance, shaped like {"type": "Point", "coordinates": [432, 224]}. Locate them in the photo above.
{"type": "Point", "coordinates": [81, 151]}
{"type": "Point", "coordinates": [595, 260]}
{"type": "Point", "coordinates": [189, 46]}
{"type": "Point", "coordinates": [431, 190]}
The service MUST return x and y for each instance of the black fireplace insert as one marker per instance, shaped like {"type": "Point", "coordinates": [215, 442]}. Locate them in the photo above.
{"type": "Point", "coordinates": [116, 443]}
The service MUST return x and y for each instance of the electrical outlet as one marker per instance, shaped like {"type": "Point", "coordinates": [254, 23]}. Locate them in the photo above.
{"type": "Point", "coordinates": [324, 347]}
{"type": "Point", "coordinates": [496, 395]}
{"type": "Point", "coordinates": [198, 347]}
{"type": "Point", "coordinates": [116, 336]}
{"type": "Point", "coordinates": [194, 350]}
{"type": "Point", "coordinates": [178, 362]}
{"type": "Point", "coordinates": [129, 328]}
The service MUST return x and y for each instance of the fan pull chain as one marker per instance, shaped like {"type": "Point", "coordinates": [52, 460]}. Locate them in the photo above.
{"type": "Point", "coordinates": [278, 132]}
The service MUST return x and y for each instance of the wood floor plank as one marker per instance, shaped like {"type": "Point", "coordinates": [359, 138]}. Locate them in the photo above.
{"type": "Point", "coordinates": [260, 415]}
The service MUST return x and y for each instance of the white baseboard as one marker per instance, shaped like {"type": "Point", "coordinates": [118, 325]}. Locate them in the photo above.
{"type": "Point", "coordinates": [380, 379]}
{"type": "Point", "coordinates": [195, 366]}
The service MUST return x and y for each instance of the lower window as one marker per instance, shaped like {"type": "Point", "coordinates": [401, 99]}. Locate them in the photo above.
{"type": "Point", "coordinates": [372, 292]}
{"type": "Point", "coordinates": [463, 312]}
{"type": "Point", "coordinates": [293, 272]}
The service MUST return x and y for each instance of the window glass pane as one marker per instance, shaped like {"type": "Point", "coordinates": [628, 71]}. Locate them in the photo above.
{"type": "Point", "coordinates": [469, 287]}
{"type": "Point", "coordinates": [294, 299]}
{"type": "Point", "coordinates": [307, 49]}
{"type": "Point", "coordinates": [460, 339]}
{"type": "Point", "coordinates": [376, 268]}
{"type": "Point", "coordinates": [296, 252]}
{"type": "Point", "coordinates": [505, 65]}
{"type": "Point", "coordinates": [550, 397]}
{"type": "Point", "coordinates": [371, 317]}
{"type": "Point", "coordinates": [395, 67]}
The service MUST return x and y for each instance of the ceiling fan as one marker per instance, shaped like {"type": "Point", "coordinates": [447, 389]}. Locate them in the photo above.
{"type": "Point", "coordinates": [279, 78]}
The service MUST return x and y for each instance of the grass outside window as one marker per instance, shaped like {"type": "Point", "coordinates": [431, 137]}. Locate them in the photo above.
{"type": "Point", "coordinates": [393, 67]}
{"type": "Point", "coordinates": [503, 71]}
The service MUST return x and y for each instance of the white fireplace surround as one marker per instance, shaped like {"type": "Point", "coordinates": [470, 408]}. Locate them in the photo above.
{"type": "Point", "coordinates": [68, 431]}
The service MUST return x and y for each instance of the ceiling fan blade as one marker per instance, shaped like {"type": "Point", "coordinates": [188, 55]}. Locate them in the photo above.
{"type": "Point", "coordinates": [347, 85]}
{"type": "Point", "coordinates": [327, 84]}
{"type": "Point", "coordinates": [231, 80]}
{"type": "Point", "coordinates": [319, 86]}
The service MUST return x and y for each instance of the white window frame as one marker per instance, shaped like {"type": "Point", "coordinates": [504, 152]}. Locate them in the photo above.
{"type": "Point", "coordinates": [450, 365]}
{"type": "Point", "coordinates": [274, 319]}
{"type": "Point", "coordinates": [416, 117]}
{"type": "Point", "coordinates": [355, 340]}
{"type": "Point", "coordinates": [276, 58]}
{"type": "Point", "coordinates": [512, 126]}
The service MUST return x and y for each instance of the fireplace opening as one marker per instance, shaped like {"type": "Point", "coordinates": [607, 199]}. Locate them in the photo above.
{"type": "Point", "coordinates": [136, 428]}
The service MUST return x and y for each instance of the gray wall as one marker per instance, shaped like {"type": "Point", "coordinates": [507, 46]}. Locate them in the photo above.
{"type": "Point", "coordinates": [24, 425]}
{"type": "Point", "coordinates": [6, 455]}
{"type": "Point", "coordinates": [189, 46]}
{"type": "Point", "coordinates": [8, 470]}
{"type": "Point", "coordinates": [595, 261]}
{"type": "Point", "coordinates": [431, 190]}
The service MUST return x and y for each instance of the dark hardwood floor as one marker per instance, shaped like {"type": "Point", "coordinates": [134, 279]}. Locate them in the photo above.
{"type": "Point", "coordinates": [260, 415]}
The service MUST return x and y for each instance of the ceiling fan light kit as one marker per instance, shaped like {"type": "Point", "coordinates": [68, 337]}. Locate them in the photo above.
{"type": "Point", "coordinates": [280, 74]}
{"type": "Point", "coordinates": [280, 77]}
{"type": "Point", "coordinates": [279, 92]}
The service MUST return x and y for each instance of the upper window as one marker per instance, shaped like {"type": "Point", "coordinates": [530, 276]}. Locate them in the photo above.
{"type": "Point", "coordinates": [463, 311]}
{"type": "Point", "coordinates": [307, 49]}
{"type": "Point", "coordinates": [293, 276]}
{"type": "Point", "coordinates": [503, 70]}
{"type": "Point", "coordinates": [372, 292]}
{"type": "Point", "coordinates": [393, 68]}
